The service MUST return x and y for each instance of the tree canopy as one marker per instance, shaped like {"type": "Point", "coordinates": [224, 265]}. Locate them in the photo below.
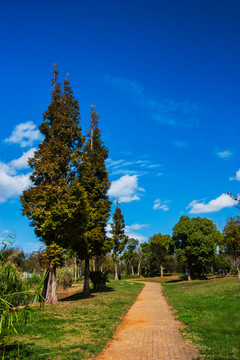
{"type": "Point", "coordinates": [195, 242]}
{"type": "Point", "coordinates": [231, 240]}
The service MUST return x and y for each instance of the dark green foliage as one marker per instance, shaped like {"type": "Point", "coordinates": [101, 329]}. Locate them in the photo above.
{"type": "Point", "coordinates": [99, 280]}
{"type": "Point", "coordinates": [159, 246]}
{"type": "Point", "coordinates": [222, 265]}
{"type": "Point", "coordinates": [231, 240]}
{"type": "Point", "coordinates": [56, 203]}
{"type": "Point", "coordinates": [118, 239]}
{"type": "Point", "coordinates": [195, 242]}
{"type": "Point", "coordinates": [130, 254]}
{"type": "Point", "coordinates": [93, 176]}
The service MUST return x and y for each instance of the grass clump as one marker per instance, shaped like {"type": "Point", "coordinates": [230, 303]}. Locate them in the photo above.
{"type": "Point", "coordinates": [76, 328]}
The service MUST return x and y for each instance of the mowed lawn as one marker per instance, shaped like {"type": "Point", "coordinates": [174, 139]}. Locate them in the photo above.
{"type": "Point", "coordinates": [210, 309]}
{"type": "Point", "coordinates": [78, 328]}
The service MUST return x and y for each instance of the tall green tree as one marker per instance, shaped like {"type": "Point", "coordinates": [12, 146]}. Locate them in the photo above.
{"type": "Point", "coordinates": [56, 203]}
{"type": "Point", "coordinates": [93, 176]}
{"type": "Point", "coordinates": [130, 254]}
{"type": "Point", "coordinates": [195, 242]}
{"type": "Point", "coordinates": [159, 245]}
{"type": "Point", "coordinates": [231, 240]}
{"type": "Point", "coordinates": [118, 239]}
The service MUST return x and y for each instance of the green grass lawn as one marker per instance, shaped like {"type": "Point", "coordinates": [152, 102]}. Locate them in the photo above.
{"type": "Point", "coordinates": [210, 309]}
{"type": "Point", "coordinates": [78, 328]}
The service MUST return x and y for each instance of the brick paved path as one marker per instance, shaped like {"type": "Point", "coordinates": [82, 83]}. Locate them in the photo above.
{"type": "Point", "coordinates": [148, 332]}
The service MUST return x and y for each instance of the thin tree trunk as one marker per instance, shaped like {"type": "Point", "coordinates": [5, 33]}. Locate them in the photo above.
{"type": "Point", "coordinates": [116, 271]}
{"type": "Point", "coordinates": [45, 284]}
{"type": "Point", "coordinates": [139, 265]}
{"type": "Point", "coordinates": [80, 269]}
{"type": "Point", "coordinates": [93, 264]}
{"type": "Point", "coordinates": [238, 269]}
{"type": "Point", "coordinates": [132, 270]}
{"type": "Point", "coordinates": [75, 268]}
{"type": "Point", "coordinates": [51, 295]}
{"type": "Point", "coordinates": [161, 271]}
{"type": "Point", "coordinates": [86, 288]}
{"type": "Point", "coordinates": [101, 267]}
{"type": "Point", "coordinates": [189, 273]}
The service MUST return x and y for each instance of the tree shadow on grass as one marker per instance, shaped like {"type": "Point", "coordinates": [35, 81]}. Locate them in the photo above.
{"type": "Point", "coordinates": [180, 279]}
{"type": "Point", "coordinates": [106, 289]}
{"type": "Point", "coordinates": [80, 296]}
{"type": "Point", "coordinates": [18, 351]}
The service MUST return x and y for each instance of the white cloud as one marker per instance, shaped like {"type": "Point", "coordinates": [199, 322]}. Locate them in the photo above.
{"type": "Point", "coordinates": [136, 226]}
{"type": "Point", "coordinates": [22, 162]}
{"type": "Point", "coordinates": [24, 134]}
{"type": "Point", "coordinates": [225, 154]}
{"type": "Point", "coordinates": [11, 185]}
{"type": "Point", "coordinates": [134, 235]}
{"type": "Point", "coordinates": [222, 202]}
{"type": "Point", "coordinates": [237, 177]}
{"type": "Point", "coordinates": [125, 189]}
{"type": "Point", "coordinates": [154, 166]}
{"type": "Point", "coordinates": [159, 205]}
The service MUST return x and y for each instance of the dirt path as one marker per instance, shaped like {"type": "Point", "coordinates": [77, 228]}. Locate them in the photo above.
{"type": "Point", "coordinates": [149, 332]}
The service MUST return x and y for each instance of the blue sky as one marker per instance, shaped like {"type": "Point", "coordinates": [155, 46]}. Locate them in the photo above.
{"type": "Point", "coordinates": [164, 76]}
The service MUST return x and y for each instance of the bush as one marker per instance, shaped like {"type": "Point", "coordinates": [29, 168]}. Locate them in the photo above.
{"type": "Point", "coordinates": [64, 278]}
{"type": "Point", "coordinates": [99, 280]}
{"type": "Point", "coordinates": [32, 280]}
{"type": "Point", "coordinates": [234, 271]}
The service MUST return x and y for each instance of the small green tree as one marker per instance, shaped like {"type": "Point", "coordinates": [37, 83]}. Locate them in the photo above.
{"type": "Point", "coordinates": [130, 254]}
{"type": "Point", "coordinates": [195, 242]}
{"type": "Point", "coordinates": [231, 240]}
{"type": "Point", "coordinates": [118, 239]}
{"type": "Point", "coordinates": [159, 245]}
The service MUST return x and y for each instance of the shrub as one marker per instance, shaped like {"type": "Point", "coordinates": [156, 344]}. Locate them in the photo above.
{"type": "Point", "coordinates": [64, 278]}
{"type": "Point", "coordinates": [32, 280]}
{"type": "Point", "coordinates": [99, 280]}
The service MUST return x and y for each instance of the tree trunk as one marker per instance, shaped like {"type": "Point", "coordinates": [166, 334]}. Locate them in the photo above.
{"type": "Point", "coordinates": [51, 294]}
{"type": "Point", "coordinates": [44, 291]}
{"type": "Point", "coordinates": [189, 273]}
{"type": "Point", "coordinates": [238, 269]}
{"type": "Point", "coordinates": [93, 264]}
{"type": "Point", "coordinates": [139, 265]}
{"type": "Point", "coordinates": [161, 271]}
{"type": "Point", "coordinates": [101, 267]}
{"type": "Point", "coordinates": [75, 268]}
{"type": "Point", "coordinates": [132, 270]}
{"type": "Point", "coordinates": [80, 269]}
{"type": "Point", "coordinates": [86, 288]}
{"type": "Point", "coordinates": [116, 271]}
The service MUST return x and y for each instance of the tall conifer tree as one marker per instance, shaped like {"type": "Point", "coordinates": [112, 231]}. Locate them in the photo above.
{"type": "Point", "coordinates": [119, 239]}
{"type": "Point", "coordinates": [56, 204]}
{"type": "Point", "coordinates": [94, 178]}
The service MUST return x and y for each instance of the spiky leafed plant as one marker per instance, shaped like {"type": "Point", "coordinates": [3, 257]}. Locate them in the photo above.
{"type": "Point", "coordinates": [13, 292]}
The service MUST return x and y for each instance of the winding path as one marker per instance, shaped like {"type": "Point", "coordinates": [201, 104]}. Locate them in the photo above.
{"type": "Point", "coordinates": [149, 331]}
